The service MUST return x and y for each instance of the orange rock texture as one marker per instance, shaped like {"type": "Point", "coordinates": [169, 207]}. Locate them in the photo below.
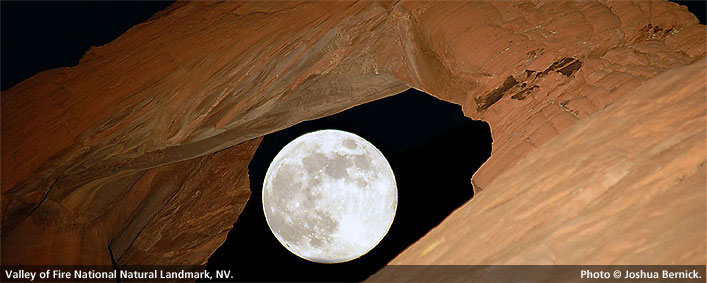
{"type": "Point", "coordinates": [173, 214]}
{"type": "Point", "coordinates": [109, 154]}
{"type": "Point", "coordinates": [623, 186]}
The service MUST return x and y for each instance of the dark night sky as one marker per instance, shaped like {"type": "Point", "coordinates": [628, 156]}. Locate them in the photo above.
{"type": "Point", "coordinates": [38, 36]}
{"type": "Point", "coordinates": [432, 148]}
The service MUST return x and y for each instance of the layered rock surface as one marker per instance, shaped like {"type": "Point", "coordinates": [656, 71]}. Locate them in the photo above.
{"type": "Point", "coordinates": [130, 134]}
{"type": "Point", "coordinates": [176, 214]}
{"type": "Point", "coordinates": [623, 186]}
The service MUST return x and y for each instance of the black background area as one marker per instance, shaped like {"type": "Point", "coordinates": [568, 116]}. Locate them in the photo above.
{"type": "Point", "coordinates": [38, 36]}
{"type": "Point", "coordinates": [433, 150]}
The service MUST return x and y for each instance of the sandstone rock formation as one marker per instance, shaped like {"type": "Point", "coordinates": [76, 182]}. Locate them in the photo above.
{"type": "Point", "coordinates": [109, 152]}
{"type": "Point", "coordinates": [623, 186]}
{"type": "Point", "coordinates": [173, 214]}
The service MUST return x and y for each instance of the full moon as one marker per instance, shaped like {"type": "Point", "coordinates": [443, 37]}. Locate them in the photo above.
{"type": "Point", "coordinates": [329, 196]}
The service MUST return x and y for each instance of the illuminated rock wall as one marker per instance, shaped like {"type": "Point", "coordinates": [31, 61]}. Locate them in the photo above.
{"type": "Point", "coordinates": [110, 152]}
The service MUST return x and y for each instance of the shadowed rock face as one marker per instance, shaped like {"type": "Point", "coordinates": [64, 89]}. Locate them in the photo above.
{"type": "Point", "coordinates": [110, 152]}
{"type": "Point", "coordinates": [177, 213]}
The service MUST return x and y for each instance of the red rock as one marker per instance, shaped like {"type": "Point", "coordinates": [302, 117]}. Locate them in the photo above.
{"type": "Point", "coordinates": [623, 186]}
{"type": "Point", "coordinates": [174, 214]}
{"type": "Point", "coordinates": [197, 218]}
{"type": "Point", "coordinates": [202, 77]}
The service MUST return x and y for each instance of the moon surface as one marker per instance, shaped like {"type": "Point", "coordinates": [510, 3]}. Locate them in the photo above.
{"type": "Point", "coordinates": [329, 196]}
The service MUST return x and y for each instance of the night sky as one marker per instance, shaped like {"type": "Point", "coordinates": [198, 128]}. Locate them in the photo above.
{"type": "Point", "coordinates": [432, 148]}
{"type": "Point", "coordinates": [38, 36]}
